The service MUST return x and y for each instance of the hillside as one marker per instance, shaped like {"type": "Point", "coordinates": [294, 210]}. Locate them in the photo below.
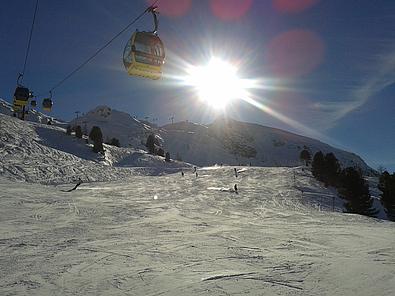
{"type": "Point", "coordinates": [35, 152]}
{"type": "Point", "coordinates": [233, 142]}
{"type": "Point", "coordinates": [115, 124]}
{"type": "Point", "coordinates": [33, 115]}
{"type": "Point", "coordinates": [223, 142]}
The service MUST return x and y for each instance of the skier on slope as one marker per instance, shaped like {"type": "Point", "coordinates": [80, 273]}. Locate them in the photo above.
{"type": "Point", "coordinates": [75, 187]}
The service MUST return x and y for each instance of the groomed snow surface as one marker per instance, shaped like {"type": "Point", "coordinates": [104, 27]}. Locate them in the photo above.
{"type": "Point", "coordinates": [174, 235]}
{"type": "Point", "coordinates": [137, 227]}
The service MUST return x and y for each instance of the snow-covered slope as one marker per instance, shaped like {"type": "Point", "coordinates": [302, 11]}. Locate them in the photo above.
{"type": "Point", "coordinates": [36, 152]}
{"type": "Point", "coordinates": [115, 124]}
{"type": "Point", "coordinates": [233, 142]}
{"type": "Point", "coordinates": [171, 235]}
{"type": "Point", "coordinates": [33, 115]}
{"type": "Point", "coordinates": [224, 141]}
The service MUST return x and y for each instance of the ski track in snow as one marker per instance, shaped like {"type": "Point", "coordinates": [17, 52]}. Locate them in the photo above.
{"type": "Point", "coordinates": [116, 238]}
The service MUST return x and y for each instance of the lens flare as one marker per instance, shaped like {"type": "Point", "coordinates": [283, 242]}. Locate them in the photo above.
{"type": "Point", "coordinates": [295, 53]}
{"type": "Point", "coordinates": [173, 8]}
{"type": "Point", "coordinates": [230, 10]}
{"type": "Point", "coordinates": [293, 6]}
{"type": "Point", "coordinates": [289, 121]}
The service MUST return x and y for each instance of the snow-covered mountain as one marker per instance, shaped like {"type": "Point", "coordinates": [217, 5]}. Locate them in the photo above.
{"type": "Point", "coordinates": [233, 142]}
{"type": "Point", "coordinates": [115, 124]}
{"type": "Point", "coordinates": [225, 141]}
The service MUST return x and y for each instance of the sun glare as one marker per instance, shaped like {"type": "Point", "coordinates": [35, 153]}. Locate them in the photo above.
{"type": "Point", "coordinates": [216, 83]}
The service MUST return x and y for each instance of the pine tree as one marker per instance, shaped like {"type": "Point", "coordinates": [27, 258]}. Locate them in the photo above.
{"type": "Point", "coordinates": [387, 187]}
{"type": "Point", "coordinates": [326, 168]}
{"type": "Point", "coordinates": [151, 143]}
{"type": "Point", "coordinates": [355, 190]}
{"type": "Point", "coordinates": [114, 142]}
{"type": "Point", "coordinates": [97, 137]}
{"type": "Point", "coordinates": [167, 157]}
{"type": "Point", "coordinates": [68, 130]}
{"type": "Point", "coordinates": [161, 152]}
{"type": "Point", "coordinates": [78, 132]}
{"type": "Point", "coordinates": [305, 156]}
{"type": "Point", "coordinates": [317, 165]}
{"type": "Point", "coordinates": [331, 169]}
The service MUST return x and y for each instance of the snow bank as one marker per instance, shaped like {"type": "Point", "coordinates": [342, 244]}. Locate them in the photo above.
{"type": "Point", "coordinates": [35, 152]}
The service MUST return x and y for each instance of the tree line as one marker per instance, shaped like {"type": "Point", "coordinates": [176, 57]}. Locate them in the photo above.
{"type": "Point", "coordinates": [351, 185]}
{"type": "Point", "coordinates": [95, 135]}
{"type": "Point", "coordinates": [154, 148]}
{"type": "Point", "coordinates": [387, 187]}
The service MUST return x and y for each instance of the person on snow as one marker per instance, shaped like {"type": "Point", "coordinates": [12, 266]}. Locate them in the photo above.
{"type": "Point", "coordinates": [236, 175]}
{"type": "Point", "coordinates": [235, 188]}
{"type": "Point", "coordinates": [75, 187]}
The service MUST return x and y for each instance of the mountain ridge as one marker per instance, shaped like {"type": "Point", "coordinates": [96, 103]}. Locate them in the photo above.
{"type": "Point", "coordinates": [224, 141]}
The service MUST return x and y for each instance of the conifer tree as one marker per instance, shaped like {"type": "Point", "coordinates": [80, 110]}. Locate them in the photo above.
{"type": "Point", "coordinates": [167, 157]}
{"type": "Point", "coordinates": [317, 165]}
{"type": "Point", "coordinates": [78, 132]}
{"type": "Point", "coordinates": [387, 187]}
{"type": "Point", "coordinates": [68, 130]}
{"type": "Point", "coordinates": [151, 144]}
{"type": "Point", "coordinates": [114, 142]}
{"type": "Point", "coordinates": [355, 190]}
{"type": "Point", "coordinates": [161, 152]}
{"type": "Point", "coordinates": [97, 137]}
{"type": "Point", "coordinates": [331, 169]}
{"type": "Point", "coordinates": [305, 156]}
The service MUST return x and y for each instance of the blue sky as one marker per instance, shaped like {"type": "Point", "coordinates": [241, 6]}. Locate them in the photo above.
{"type": "Point", "coordinates": [327, 67]}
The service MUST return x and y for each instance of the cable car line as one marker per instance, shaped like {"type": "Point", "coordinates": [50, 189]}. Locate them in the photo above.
{"type": "Point", "coordinates": [104, 46]}
{"type": "Point", "coordinates": [29, 43]}
{"type": "Point", "coordinates": [23, 94]}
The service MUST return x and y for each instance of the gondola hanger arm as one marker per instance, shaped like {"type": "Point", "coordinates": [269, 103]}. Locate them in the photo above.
{"type": "Point", "coordinates": [154, 10]}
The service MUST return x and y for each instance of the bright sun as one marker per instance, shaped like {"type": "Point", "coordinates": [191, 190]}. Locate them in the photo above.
{"type": "Point", "coordinates": [216, 83]}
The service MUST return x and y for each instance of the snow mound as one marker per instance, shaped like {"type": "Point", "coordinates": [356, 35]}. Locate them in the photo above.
{"type": "Point", "coordinates": [34, 152]}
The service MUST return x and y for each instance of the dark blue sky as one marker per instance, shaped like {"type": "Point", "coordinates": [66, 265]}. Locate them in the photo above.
{"type": "Point", "coordinates": [327, 65]}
